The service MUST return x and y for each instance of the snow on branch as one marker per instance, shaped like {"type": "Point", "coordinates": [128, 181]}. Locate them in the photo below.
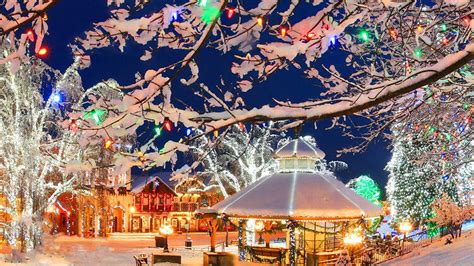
{"type": "Point", "coordinates": [370, 97]}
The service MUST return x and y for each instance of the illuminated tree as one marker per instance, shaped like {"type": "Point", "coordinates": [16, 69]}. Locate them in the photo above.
{"type": "Point", "coordinates": [366, 187]}
{"type": "Point", "coordinates": [34, 148]}
{"type": "Point", "coordinates": [382, 54]}
{"type": "Point", "coordinates": [414, 184]}
{"type": "Point", "coordinates": [236, 160]}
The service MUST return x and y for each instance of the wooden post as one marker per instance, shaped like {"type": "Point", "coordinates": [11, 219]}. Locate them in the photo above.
{"type": "Point", "coordinates": [242, 239]}
{"type": "Point", "coordinates": [268, 227]}
{"type": "Point", "coordinates": [292, 240]}
{"type": "Point", "coordinates": [213, 225]}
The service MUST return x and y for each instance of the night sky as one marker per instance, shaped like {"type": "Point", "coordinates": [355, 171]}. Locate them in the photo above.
{"type": "Point", "coordinates": [69, 19]}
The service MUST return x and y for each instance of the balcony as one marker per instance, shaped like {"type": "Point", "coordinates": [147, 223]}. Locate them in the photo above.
{"type": "Point", "coordinates": [184, 207]}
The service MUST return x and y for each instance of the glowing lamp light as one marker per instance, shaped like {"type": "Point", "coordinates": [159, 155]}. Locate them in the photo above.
{"type": "Point", "coordinates": [216, 133]}
{"type": "Point", "coordinates": [467, 20]}
{"type": "Point", "coordinates": [31, 35]}
{"type": "Point", "coordinates": [364, 36]}
{"type": "Point", "coordinates": [108, 143]}
{"type": "Point", "coordinates": [260, 21]}
{"type": "Point", "coordinates": [353, 239]}
{"type": "Point", "coordinates": [73, 126]}
{"type": "Point", "coordinates": [174, 16]}
{"type": "Point", "coordinates": [167, 125]}
{"type": "Point", "coordinates": [405, 227]}
{"type": "Point", "coordinates": [393, 33]}
{"type": "Point", "coordinates": [418, 53]}
{"type": "Point", "coordinates": [96, 115]}
{"type": "Point", "coordinates": [132, 209]}
{"type": "Point", "coordinates": [210, 14]}
{"type": "Point", "coordinates": [57, 98]}
{"type": "Point", "coordinates": [446, 178]}
{"type": "Point", "coordinates": [259, 226]}
{"type": "Point", "coordinates": [166, 230]}
{"type": "Point", "coordinates": [189, 131]}
{"type": "Point", "coordinates": [445, 40]}
{"type": "Point", "coordinates": [310, 35]}
{"type": "Point", "coordinates": [419, 28]}
{"type": "Point", "coordinates": [43, 51]}
{"type": "Point", "coordinates": [157, 130]}
{"type": "Point", "coordinates": [283, 31]}
{"type": "Point", "coordinates": [230, 12]}
{"type": "Point", "coordinates": [444, 27]}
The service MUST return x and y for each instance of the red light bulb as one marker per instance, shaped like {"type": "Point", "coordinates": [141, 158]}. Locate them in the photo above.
{"type": "Point", "coordinates": [73, 126]}
{"type": "Point", "coordinates": [230, 12]}
{"type": "Point", "coordinates": [393, 33]}
{"type": "Point", "coordinates": [445, 40]}
{"type": "Point", "coordinates": [167, 125]}
{"type": "Point", "coordinates": [467, 20]}
{"type": "Point", "coordinates": [31, 35]}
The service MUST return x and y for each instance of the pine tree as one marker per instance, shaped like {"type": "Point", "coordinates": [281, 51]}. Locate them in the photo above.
{"type": "Point", "coordinates": [414, 185]}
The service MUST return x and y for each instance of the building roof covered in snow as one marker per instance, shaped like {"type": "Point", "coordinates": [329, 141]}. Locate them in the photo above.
{"type": "Point", "coordinates": [303, 194]}
{"type": "Point", "coordinates": [299, 148]}
{"type": "Point", "coordinates": [139, 182]}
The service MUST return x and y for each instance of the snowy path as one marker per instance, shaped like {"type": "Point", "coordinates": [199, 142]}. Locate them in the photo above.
{"type": "Point", "coordinates": [461, 253]}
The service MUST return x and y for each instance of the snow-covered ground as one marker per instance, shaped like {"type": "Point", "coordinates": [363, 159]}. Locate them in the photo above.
{"type": "Point", "coordinates": [78, 251]}
{"type": "Point", "coordinates": [65, 250]}
{"type": "Point", "coordinates": [461, 253]}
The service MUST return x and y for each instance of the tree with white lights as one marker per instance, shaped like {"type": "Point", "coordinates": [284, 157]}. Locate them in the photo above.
{"type": "Point", "coordinates": [387, 51]}
{"type": "Point", "coordinates": [414, 184]}
{"type": "Point", "coordinates": [238, 159]}
{"type": "Point", "coordinates": [388, 59]}
{"type": "Point", "coordinates": [36, 150]}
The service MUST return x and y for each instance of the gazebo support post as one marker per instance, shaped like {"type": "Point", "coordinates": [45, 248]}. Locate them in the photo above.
{"type": "Point", "coordinates": [268, 227]}
{"type": "Point", "coordinates": [242, 239]}
{"type": "Point", "coordinates": [291, 228]}
{"type": "Point", "coordinates": [212, 224]}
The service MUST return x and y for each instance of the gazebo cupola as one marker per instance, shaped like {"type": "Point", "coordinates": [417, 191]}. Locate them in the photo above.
{"type": "Point", "coordinates": [298, 156]}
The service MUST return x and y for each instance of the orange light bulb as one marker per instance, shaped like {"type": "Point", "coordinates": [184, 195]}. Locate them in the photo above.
{"type": "Point", "coordinates": [43, 51]}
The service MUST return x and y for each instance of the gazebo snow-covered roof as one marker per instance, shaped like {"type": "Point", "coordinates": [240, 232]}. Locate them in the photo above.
{"type": "Point", "coordinates": [297, 196]}
{"type": "Point", "coordinates": [299, 148]}
{"type": "Point", "coordinates": [302, 194]}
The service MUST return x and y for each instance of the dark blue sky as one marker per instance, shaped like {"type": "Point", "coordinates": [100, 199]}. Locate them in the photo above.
{"type": "Point", "coordinates": [69, 19]}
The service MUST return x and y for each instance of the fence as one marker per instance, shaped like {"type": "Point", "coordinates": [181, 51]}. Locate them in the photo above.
{"type": "Point", "coordinates": [379, 251]}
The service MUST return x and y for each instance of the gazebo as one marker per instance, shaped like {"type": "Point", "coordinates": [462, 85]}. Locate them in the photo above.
{"type": "Point", "coordinates": [309, 198]}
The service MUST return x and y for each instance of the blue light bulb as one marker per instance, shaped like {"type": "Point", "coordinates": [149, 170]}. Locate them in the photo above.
{"type": "Point", "coordinates": [57, 98]}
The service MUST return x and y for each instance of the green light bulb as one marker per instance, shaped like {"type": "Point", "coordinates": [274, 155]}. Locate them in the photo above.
{"type": "Point", "coordinates": [444, 27]}
{"type": "Point", "coordinates": [418, 53]}
{"type": "Point", "coordinates": [210, 14]}
{"type": "Point", "coordinates": [364, 35]}
{"type": "Point", "coordinates": [157, 130]}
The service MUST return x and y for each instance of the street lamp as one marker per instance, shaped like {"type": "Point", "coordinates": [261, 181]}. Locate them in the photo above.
{"type": "Point", "coordinates": [405, 228]}
{"type": "Point", "coordinates": [166, 230]}
{"type": "Point", "coordinates": [352, 240]}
